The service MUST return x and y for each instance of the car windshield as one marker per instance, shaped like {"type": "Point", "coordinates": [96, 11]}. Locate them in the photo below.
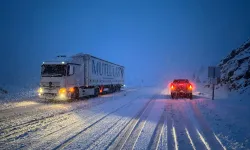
{"type": "Point", "coordinates": [53, 70]}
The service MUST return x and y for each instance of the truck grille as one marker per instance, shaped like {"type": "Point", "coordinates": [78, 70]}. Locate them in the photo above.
{"type": "Point", "coordinates": [48, 84]}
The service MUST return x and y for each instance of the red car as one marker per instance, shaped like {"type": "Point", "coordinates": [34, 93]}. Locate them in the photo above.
{"type": "Point", "coordinates": [181, 88]}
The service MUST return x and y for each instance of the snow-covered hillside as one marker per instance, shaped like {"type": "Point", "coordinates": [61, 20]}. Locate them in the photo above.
{"type": "Point", "coordinates": [235, 69]}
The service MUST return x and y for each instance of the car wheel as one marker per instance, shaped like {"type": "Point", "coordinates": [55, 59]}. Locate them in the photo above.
{"type": "Point", "coordinates": [191, 96]}
{"type": "Point", "coordinates": [176, 96]}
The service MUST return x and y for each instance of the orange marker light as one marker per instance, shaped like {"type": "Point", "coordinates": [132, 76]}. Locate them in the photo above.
{"type": "Point", "coordinates": [71, 89]}
{"type": "Point", "coordinates": [62, 90]}
{"type": "Point", "coordinates": [190, 86]}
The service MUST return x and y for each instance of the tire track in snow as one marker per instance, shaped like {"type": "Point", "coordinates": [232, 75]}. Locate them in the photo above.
{"type": "Point", "coordinates": [137, 130]}
{"type": "Point", "coordinates": [100, 136]}
{"type": "Point", "coordinates": [190, 139]}
{"type": "Point", "coordinates": [199, 134]}
{"type": "Point", "coordinates": [24, 137]}
{"type": "Point", "coordinates": [72, 130]}
{"type": "Point", "coordinates": [72, 138]}
{"type": "Point", "coordinates": [181, 130]}
{"type": "Point", "coordinates": [158, 132]}
{"type": "Point", "coordinates": [33, 141]}
{"type": "Point", "coordinates": [35, 124]}
{"type": "Point", "coordinates": [171, 145]}
{"type": "Point", "coordinates": [27, 126]}
{"type": "Point", "coordinates": [111, 131]}
{"type": "Point", "coordinates": [91, 145]}
{"type": "Point", "coordinates": [16, 132]}
{"type": "Point", "coordinates": [191, 126]}
{"type": "Point", "coordinates": [205, 133]}
{"type": "Point", "coordinates": [28, 113]}
{"type": "Point", "coordinates": [123, 137]}
{"type": "Point", "coordinates": [179, 125]}
{"type": "Point", "coordinates": [106, 139]}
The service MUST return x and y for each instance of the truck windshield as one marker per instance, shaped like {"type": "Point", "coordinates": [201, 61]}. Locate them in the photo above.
{"type": "Point", "coordinates": [53, 70]}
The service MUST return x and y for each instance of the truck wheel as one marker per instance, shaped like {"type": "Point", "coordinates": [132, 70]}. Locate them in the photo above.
{"type": "Point", "coordinates": [191, 96]}
{"type": "Point", "coordinates": [112, 89]}
{"type": "Point", "coordinates": [96, 92]}
{"type": "Point", "coordinates": [172, 95]}
{"type": "Point", "coordinates": [115, 89]}
{"type": "Point", "coordinates": [75, 94]}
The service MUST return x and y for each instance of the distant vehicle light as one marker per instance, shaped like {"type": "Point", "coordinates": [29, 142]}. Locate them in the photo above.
{"type": "Point", "coordinates": [63, 62]}
{"type": "Point", "coordinates": [124, 85]}
{"type": "Point", "coordinates": [62, 90]}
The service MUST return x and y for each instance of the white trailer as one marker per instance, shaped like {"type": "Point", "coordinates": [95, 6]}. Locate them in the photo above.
{"type": "Point", "coordinates": [79, 76]}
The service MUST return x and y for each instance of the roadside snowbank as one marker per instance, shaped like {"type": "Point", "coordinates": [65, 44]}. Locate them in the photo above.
{"type": "Point", "coordinates": [228, 115]}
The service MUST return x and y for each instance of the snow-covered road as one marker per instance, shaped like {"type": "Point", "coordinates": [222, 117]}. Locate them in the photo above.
{"type": "Point", "coordinates": [143, 118]}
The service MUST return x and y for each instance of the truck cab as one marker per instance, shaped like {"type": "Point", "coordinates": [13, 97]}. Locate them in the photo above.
{"type": "Point", "coordinates": [58, 80]}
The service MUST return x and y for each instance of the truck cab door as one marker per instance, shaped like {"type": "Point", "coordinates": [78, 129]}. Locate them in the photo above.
{"type": "Point", "coordinates": [71, 80]}
{"type": "Point", "coordinates": [73, 75]}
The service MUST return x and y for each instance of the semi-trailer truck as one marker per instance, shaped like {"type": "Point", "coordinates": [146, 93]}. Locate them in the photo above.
{"type": "Point", "coordinates": [69, 78]}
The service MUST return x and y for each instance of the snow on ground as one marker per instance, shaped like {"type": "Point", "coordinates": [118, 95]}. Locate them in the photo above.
{"type": "Point", "coordinates": [16, 93]}
{"type": "Point", "coordinates": [137, 118]}
{"type": "Point", "coordinates": [228, 114]}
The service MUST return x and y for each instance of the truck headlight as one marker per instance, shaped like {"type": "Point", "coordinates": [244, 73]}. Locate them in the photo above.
{"type": "Point", "coordinates": [40, 90]}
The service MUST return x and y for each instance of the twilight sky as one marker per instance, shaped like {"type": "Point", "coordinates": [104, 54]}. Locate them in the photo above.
{"type": "Point", "coordinates": [152, 39]}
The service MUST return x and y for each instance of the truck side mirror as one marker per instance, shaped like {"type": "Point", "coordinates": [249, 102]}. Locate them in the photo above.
{"type": "Point", "coordinates": [71, 70]}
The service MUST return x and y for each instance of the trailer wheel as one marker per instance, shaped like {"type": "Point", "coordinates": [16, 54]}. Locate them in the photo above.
{"type": "Point", "coordinates": [111, 89]}
{"type": "Point", "coordinates": [116, 88]}
{"type": "Point", "coordinates": [75, 94]}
